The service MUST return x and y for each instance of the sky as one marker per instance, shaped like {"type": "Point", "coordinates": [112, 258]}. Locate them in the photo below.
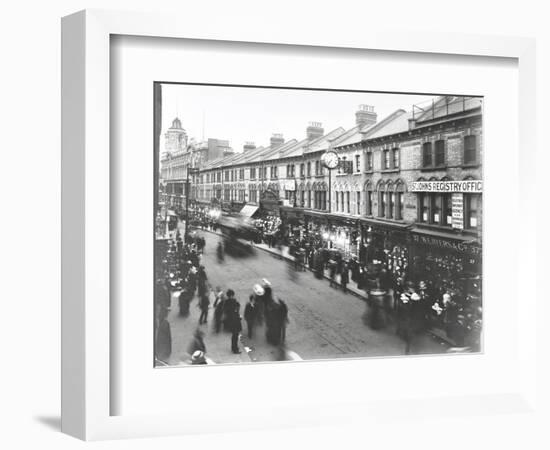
{"type": "Point", "coordinates": [243, 114]}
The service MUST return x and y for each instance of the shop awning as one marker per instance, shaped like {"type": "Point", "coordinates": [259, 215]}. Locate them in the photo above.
{"type": "Point", "coordinates": [387, 225]}
{"type": "Point", "coordinates": [248, 210]}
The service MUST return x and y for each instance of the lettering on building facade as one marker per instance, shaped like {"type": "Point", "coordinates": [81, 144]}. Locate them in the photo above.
{"type": "Point", "coordinates": [468, 186]}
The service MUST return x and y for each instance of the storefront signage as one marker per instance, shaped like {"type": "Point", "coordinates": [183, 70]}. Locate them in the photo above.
{"type": "Point", "coordinates": [458, 246]}
{"type": "Point", "coordinates": [457, 203]}
{"type": "Point", "coordinates": [469, 186]}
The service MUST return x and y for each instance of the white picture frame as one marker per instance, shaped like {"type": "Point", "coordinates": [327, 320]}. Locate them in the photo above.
{"type": "Point", "coordinates": [86, 289]}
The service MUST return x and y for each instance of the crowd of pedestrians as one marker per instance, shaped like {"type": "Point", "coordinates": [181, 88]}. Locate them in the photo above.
{"type": "Point", "coordinates": [187, 278]}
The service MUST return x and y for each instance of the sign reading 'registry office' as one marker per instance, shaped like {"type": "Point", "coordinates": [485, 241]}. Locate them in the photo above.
{"type": "Point", "coordinates": [473, 186]}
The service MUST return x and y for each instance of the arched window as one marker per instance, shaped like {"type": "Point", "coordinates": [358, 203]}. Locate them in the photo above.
{"type": "Point", "coordinates": [390, 200]}
{"type": "Point", "coordinates": [368, 198]}
{"type": "Point", "coordinates": [399, 199]}
{"type": "Point", "coordinates": [381, 190]}
{"type": "Point", "coordinates": [323, 188]}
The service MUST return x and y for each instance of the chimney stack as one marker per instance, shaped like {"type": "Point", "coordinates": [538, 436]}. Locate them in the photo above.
{"type": "Point", "coordinates": [365, 115]}
{"type": "Point", "coordinates": [277, 140]}
{"type": "Point", "coordinates": [248, 146]}
{"type": "Point", "coordinates": [314, 130]}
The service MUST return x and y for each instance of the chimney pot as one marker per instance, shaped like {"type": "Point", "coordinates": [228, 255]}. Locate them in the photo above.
{"type": "Point", "coordinates": [365, 115]}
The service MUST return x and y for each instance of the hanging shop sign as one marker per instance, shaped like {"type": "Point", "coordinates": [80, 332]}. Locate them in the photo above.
{"type": "Point", "coordinates": [467, 186]}
{"type": "Point", "coordinates": [457, 204]}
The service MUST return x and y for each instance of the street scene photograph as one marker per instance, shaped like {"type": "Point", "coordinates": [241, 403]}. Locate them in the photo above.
{"type": "Point", "coordinates": [295, 224]}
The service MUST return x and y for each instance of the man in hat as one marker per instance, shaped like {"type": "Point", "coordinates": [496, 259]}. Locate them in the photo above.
{"type": "Point", "coordinates": [259, 302]}
{"type": "Point", "coordinates": [197, 342]}
{"type": "Point", "coordinates": [404, 320]}
{"type": "Point", "coordinates": [198, 357]}
{"type": "Point", "coordinates": [426, 302]}
{"type": "Point", "coordinates": [250, 313]}
{"type": "Point", "coordinates": [233, 319]}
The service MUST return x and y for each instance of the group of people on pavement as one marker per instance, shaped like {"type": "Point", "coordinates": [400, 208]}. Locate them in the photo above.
{"type": "Point", "coordinates": [189, 277]}
{"type": "Point", "coordinates": [261, 309]}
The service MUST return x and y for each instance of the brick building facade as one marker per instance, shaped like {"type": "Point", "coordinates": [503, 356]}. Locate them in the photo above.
{"type": "Point", "coordinates": [413, 178]}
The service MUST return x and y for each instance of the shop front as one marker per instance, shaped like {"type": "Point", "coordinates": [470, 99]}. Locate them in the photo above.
{"type": "Point", "coordinates": [385, 245]}
{"type": "Point", "coordinates": [446, 262]}
{"type": "Point", "coordinates": [343, 235]}
{"type": "Point", "coordinates": [450, 266]}
{"type": "Point", "coordinates": [293, 223]}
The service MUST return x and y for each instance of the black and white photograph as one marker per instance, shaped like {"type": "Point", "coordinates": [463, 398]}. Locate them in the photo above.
{"type": "Point", "coordinates": [296, 224]}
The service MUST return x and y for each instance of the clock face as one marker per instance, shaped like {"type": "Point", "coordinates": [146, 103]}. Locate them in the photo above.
{"type": "Point", "coordinates": [330, 160]}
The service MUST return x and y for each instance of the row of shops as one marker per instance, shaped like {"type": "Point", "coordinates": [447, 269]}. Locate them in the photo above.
{"type": "Point", "coordinates": [410, 251]}
{"type": "Point", "coordinates": [405, 250]}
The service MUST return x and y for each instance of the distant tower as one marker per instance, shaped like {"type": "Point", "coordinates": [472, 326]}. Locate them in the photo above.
{"type": "Point", "coordinates": [175, 138]}
{"type": "Point", "coordinates": [365, 115]}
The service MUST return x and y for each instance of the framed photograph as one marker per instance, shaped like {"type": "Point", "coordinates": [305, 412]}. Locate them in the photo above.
{"type": "Point", "coordinates": [310, 221]}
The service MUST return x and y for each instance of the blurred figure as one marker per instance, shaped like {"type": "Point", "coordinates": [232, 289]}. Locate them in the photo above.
{"type": "Point", "coordinates": [220, 252]}
{"type": "Point", "coordinates": [284, 320]}
{"type": "Point", "coordinates": [233, 319]}
{"type": "Point", "coordinates": [259, 294]}
{"type": "Point", "coordinates": [250, 313]}
{"type": "Point", "coordinates": [198, 357]}
{"type": "Point", "coordinates": [164, 337]}
{"type": "Point", "coordinates": [344, 277]}
{"type": "Point", "coordinates": [197, 342]}
{"type": "Point", "coordinates": [219, 304]}
{"type": "Point", "coordinates": [291, 270]}
{"type": "Point", "coordinates": [184, 300]}
{"type": "Point", "coordinates": [202, 281]}
{"type": "Point", "coordinates": [284, 354]}
{"type": "Point", "coordinates": [204, 304]}
{"type": "Point", "coordinates": [332, 273]}
{"type": "Point", "coordinates": [404, 320]}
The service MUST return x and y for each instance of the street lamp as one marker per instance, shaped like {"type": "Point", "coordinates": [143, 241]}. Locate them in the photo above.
{"type": "Point", "coordinates": [194, 171]}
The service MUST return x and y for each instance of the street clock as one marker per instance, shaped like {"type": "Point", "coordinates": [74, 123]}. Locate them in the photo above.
{"type": "Point", "coordinates": [330, 159]}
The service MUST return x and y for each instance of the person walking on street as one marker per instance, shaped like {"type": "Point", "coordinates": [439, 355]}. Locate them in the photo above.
{"type": "Point", "coordinates": [284, 320]}
{"type": "Point", "coordinates": [233, 319]}
{"type": "Point", "coordinates": [219, 252]}
{"type": "Point", "coordinates": [332, 273]}
{"type": "Point", "coordinates": [184, 299]}
{"type": "Point", "coordinates": [259, 303]}
{"type": "Point", "coordinates": [197, 342]}
{"type": "Point", "coordinates": [250, 313]}
{"type": "Point", "coordinates": [202, 281]}
{"type": "Point", "coordinates": [344, 277]}
{"type": "Point", "coordinates": [219, 304]}
{"type": "Point", "coordinates": [164, 338]}
{"type": "Point", "coordinates": [204, 304]}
